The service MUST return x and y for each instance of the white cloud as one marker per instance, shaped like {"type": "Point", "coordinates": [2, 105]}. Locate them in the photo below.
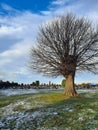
{"type": "Point", "coordinates": [6, 30]}
{"type": "Point", "coordinates": [59, 2]}
{"type": "Point", "coordinates": [7, 7]}
{"type": "Point", "coordinates": [4, 61]}
{"type": "Point", "coordinates": [23, 27]}
{"type": "Point", "coordinates": [21, 71]}
{"type": "Point", "coordinates": [11, 53]}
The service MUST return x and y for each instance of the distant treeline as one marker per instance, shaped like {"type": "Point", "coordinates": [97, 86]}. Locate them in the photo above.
{"type": "Point", "coordinates": [7, 84]}
{"type": "Point", "coordinates": [35, 85]}
{"type": "Point", "coordinates": [86, 85]}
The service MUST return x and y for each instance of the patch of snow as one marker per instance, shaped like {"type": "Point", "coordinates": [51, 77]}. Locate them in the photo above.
{"type": "Point", "coordinates": [55, 113]}
{"type": "Point", "coordinates": [69, 109]}
{"type": "Point", "coordinates": [91, 110]}
{"type": "Point", "coordinates": [36, 114]}
{"type": "Point", "coordinates": [1, 124]}
{"type": "Point", "coordinates": [81, 118]}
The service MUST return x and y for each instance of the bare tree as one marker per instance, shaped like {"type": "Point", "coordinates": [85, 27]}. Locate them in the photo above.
{"type": "Point", "coordinates": [65, 45]}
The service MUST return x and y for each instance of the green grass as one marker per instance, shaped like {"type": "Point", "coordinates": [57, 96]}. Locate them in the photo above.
{"type": "Point", "coordinates": [52, 112]}
{"type": "Point", "coordinates": [46, 98]}
{"type": "Point", "coordinates": [4, 101]}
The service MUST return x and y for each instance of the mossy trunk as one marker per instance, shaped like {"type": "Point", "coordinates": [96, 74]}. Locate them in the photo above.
{"type": "Point", "coordinates": [69, 89]}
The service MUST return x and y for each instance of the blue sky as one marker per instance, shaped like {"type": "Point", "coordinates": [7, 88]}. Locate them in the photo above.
{"type": "Point", "coordinates": [34, 6]}
{"type": "Point", "coordinates": [19, 24]}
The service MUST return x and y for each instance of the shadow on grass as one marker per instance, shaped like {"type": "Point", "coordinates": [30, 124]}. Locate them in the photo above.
{"type": "Point", "coordinates": [73, 113]}
{"type": "Point", "coordinates": [81, 100]}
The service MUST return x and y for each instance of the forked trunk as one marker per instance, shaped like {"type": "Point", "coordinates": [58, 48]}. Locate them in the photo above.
{"type": "Point", "coordinates": [69, 86]}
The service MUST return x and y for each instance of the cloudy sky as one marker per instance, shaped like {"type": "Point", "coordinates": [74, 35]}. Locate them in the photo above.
{"type": "Point", "coordinates": [19, 24]}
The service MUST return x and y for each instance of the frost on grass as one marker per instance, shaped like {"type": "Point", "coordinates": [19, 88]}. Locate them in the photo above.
{"type": "Point", "coordinates": [51, 116]}
{"type": "Point", "coordinates": [24, 120]}
{"type": "Point", "coordinates": [33, 113]}
{"type": "Point", "coordinates": [31, 119]}
{"type": "Point", "coordinates": [7, 110]}
{"type": "Point", "coordinates": [27, 104]}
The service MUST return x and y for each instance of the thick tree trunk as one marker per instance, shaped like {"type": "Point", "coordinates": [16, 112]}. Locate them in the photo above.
{"type": "Point", "coordinates": [69, 86]}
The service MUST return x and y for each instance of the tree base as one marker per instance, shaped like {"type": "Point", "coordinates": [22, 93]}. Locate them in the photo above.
{"type": "Point", "coordinates": [69, 94]}
{"type": "Point", "coordinates": [69, 90]}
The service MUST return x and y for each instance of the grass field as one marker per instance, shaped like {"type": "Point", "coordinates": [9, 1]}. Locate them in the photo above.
{"type": "Point", "coordinates": [49, 111]}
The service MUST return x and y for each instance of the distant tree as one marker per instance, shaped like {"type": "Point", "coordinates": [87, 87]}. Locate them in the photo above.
{"type": "Point", "coordinates": [33, 84]}
{"type": "Point", "coordinates": [49, 83]}
{"type": "Point", "coordinates": [63, 82]}
{"type": "Point", "coordinates": [83, 85]}
{"type": "Point", "coordinates": [97, 85]}
{"type": "Point", "coordinates": [65, 45]}
{"type": "Point", "coordinates": [37, 83]}
{"type": "Point", "coordinates": [22, 84]}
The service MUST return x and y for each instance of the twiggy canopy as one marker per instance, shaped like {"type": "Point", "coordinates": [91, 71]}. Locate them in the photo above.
{"type": "Point", "coordinates": [65, 44]}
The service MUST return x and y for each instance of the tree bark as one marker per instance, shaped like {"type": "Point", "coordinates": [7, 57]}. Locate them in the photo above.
{"type": "Point", "coordinates": [69, 89]}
